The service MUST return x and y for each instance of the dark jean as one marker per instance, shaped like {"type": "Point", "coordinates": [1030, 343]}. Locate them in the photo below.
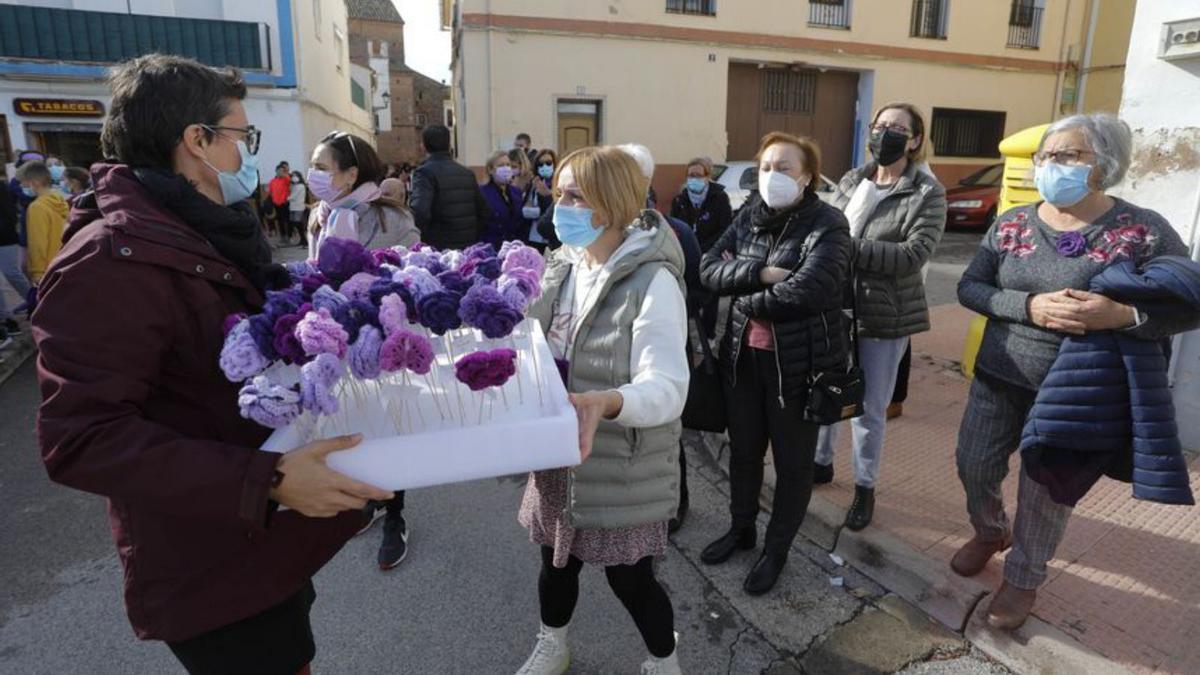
{"type": "Point", "coordinates": [756, 420]}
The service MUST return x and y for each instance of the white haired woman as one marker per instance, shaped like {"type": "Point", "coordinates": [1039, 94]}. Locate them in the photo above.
{"type": "Point", "coordinates": [1028, 278]}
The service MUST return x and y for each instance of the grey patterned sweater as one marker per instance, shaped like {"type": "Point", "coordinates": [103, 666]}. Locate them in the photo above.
{"type": "Point", "coordinates": [1018, 259]}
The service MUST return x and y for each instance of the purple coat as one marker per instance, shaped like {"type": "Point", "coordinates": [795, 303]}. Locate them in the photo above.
{"type": "Point", "coordinates": [505, 222]}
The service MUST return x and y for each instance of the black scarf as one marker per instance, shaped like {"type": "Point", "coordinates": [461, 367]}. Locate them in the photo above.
{"type": "Point", "coordinates": [233, 230]}
{"type": "Point", "coordinates": [763, 217]}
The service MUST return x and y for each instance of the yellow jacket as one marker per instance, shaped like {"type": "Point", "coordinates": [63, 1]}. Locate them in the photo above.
{"type": "Point", "coordinates": [44, 223]}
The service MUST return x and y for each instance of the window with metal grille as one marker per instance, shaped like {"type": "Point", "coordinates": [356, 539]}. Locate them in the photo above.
{"type": "Point", "coordinates": [786, 91]}
{"type": "Point", "coordinates": [829, 13]}
{"type": "Point", "coordinates": [705, 7]}
{"type": "Point", "coordinates": [967, 133]}
{"type": "Point", "coordinates": [1024, 25]}
{"type": "Point", "coordinates": [928, 19]}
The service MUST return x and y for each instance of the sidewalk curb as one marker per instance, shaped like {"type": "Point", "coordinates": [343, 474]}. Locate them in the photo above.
{"type": "Point", "coordinates": [16, 355]}
{"type": "Point", "coordinates": [953, 601]}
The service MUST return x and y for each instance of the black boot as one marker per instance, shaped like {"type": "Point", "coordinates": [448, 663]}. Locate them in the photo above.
{"type": "Point", "coordinates": [737, 538]}
{"type": "Point", "coordinates": [394, 546]}
{"type": "Point", "coordinates": [863, 508]}
{"type": "Point", "coordinates": [680, 513]}
{"type": "Point", "coordinates": [822, 473]}
{"type": "Point", "coordinates": [765, 572]}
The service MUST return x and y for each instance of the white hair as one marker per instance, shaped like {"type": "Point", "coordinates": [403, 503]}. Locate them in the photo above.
{"type": "Point", "coordinates": [641, 155]}
{"type": "Point", "coordinates": [1108, 136]}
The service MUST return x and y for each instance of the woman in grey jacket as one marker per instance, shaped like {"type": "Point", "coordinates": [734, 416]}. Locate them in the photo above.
{"type": "Point", "coordinates": [897, 212]}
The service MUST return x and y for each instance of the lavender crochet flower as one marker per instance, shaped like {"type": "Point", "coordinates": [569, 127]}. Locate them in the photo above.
{"type": "Point", "coordinates": [355, 315]}
{"type": "Point", "coordinates": [241, 358]}
{"type": "Point", "coordinates": [299, 269]}
{"type": "Point", "coordinates": [328, 299]}
{"type": "Point", "coordinates": [451, 258]}
{"type": "Point", "coordinates": [364, 353]}
{"type": "Point", "coordinates": [508, 247]}
{"type": "Point", "coordinates": [286, 344]}
{"type": "Point", "coordinates": [528, 281]}
{"type": "Point", "coordinates": [393, 313]}
{"type": "Point", "coordinates": [262, 329]}
{"type": "Point", "coordinates": [1070, 244]}
{"type": "Point", "coordinates": [339, 259]}
{"type": "Point", "coordinates": [420, 281]}
{"type": "Point", "coordinates": [271, 405]}
{"type": "Point", "coordinates": [319, 333]}
{"type": "Point", "coordinates": [480, 251]}
{"type": "Point", "coordinates": [358, 287]}
{"type": "Point", "coordinates": [317, 378]}
{"type": "Point", "coordinates": [231, 321]}
{"type": "Point", "coordinates": [438, 311]}
{"type": "Point", "coordinates": [524, 257]}
{"type": "Point", "coordinates": [406, 350]}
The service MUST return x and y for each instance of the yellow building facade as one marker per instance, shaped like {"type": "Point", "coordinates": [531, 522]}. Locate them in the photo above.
{"type": "Point", "coordinates": [709, 77]}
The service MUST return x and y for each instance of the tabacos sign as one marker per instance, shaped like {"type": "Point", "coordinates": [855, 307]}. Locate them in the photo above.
{"type": "Point", "coordinates": [57, 107]}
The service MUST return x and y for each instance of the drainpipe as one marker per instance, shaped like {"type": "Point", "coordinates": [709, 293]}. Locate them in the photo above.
{"type": "Point", "coordinates": [1060, 80]}
{"type": "Point", "coordinates": [491, 88]}
{"type": "Point", "coordinates": [1086, 64]}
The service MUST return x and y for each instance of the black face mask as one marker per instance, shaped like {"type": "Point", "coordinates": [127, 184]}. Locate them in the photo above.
{"type": "Point", "coordinates": [887, 146]}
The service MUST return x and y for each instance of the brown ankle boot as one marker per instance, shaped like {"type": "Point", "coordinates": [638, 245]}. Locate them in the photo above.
{"type": "Point", "coordinates": [1010, 607]}
{"type": "Point", "coordinates": [975, 554]}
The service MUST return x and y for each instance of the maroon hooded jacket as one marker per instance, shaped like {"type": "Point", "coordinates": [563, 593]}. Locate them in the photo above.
{"type": "Point", "coordinates": [135, 408]}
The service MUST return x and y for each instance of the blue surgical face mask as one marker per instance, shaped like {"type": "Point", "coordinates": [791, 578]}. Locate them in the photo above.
{"type": "Point", "coordinates": [239, 185]}
{"type": "Point", "coordinates": [546, 171]}
{"type": "Point", "coordinates": [696, 185]}
{"type": "Point", "coordinates": [28, 191]}
{"type": "Point", "coordinates": [56, 172]}
{"type": "Point", "coordinates": [573, 225]}
{"type": "Point", "coordinates": [1061, 185]}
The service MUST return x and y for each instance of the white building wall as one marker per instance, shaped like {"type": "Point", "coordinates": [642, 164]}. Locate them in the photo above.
{"type": "Point", "coordinates": [1160, 102]}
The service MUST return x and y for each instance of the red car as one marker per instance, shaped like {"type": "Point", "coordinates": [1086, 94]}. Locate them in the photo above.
{"type": "Point", "coordinates": [973, 203]}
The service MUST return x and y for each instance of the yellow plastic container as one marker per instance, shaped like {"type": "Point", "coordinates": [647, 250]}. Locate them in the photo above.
{"type": "Point", "coordinates": [1016, 189]}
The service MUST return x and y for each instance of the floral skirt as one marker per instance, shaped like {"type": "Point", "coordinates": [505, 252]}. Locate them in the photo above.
{"type": "Point", "coordinates": [542, 514]}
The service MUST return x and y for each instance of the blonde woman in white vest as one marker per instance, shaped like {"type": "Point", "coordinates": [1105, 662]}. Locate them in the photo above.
{"type": "Point", "coordinates": [614, 313]}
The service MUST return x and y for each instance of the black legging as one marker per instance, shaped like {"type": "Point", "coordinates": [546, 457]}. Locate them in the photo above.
{"type": "Point", "coordinates": [634, 585]}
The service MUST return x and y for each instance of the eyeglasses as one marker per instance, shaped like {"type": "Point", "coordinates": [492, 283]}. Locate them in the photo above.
{"type": "Point", "coordinates": [253, 135]}
{"type": "Point", "coordinates": [884, 126]}
{"type": "Point", "coordinates": [1067, 157]}
{"type": "Point", "coordinates": [338, 135]}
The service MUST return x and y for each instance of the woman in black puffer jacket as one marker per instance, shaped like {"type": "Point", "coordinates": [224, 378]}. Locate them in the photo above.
{"type": "Point", "coordinates": [785, 261]}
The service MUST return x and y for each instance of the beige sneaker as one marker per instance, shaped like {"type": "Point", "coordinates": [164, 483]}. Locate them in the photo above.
{"type": "Point", "coordinates": [550, 656]}
{"type": "Point", "coordinates": [668, 665]}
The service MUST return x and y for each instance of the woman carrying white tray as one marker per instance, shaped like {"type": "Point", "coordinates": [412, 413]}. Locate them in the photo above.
{"type": "Point", "coordinates": [614, 314]}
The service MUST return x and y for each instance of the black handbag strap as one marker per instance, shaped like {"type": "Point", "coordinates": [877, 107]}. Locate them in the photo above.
{"type": "Point", "coordinates": [709, 361]}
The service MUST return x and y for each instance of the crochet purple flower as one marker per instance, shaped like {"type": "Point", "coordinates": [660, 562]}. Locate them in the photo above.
{"type": "Point", "coordinates": [358, 287]}
{"type": "Point", "coordinates": [286, 344]}
{"type": "Point", "coordinates": [299, 269]}
{"type": "Point", "coordinates": [524, 257]}
{"type": "Point", "coordinates": [317, 378]}
{"type": "Point", "coordinates": [282, 302]}
{"type": "Point", "coordinates": [438, 311]}
{"type": "Point", "coordinates": [262, 329]}
{"type": "Point", "coordinates": [241, 358]}
{"type": "Point", "coordinates": [419, 281]}
{"type": "Point", "coordinates": [1070, 244]}
{"type": "Point", "coordinates": [526, 281]}
{"type": "Point", "coordinates": [488, 268]}
{"type": "Point", "coordinates": [480, 251]}
{"type": "Point", "coordinates": [364, 353]}
{"type": "Point", "coordinates": [310, 283]}
{"type": "Point", "coordinates": [480, 370]}
{"type": "Point", "coordinates": [451, 259]}
{"type": "Point", "coordinates": [327, 298]}
{"type": "Point", "coordinates": [339, 259]}
{"type": "Point", "coordinates": [406, 350]}
{"type": "Point", "coordinates": [393, 313]}
{"type": "Point", "coordinates": [356, 314]}
{"type": "Point", "coordinates": [271, 405]}
{"type": "Point", "coordinates": [386, 255]}
{"type": "Point", "coordinates": [454, 281]}
{"type": "Point", "coordinates": [427, 260]}
{"type": "Point", "coordinates": [319, 333]}
{"type": "Point", "coordinates": [483, 307]}
{"type": "Point", "coordinates": [508, 247]}
{"type": "Point", "coordinates": [231, 321]}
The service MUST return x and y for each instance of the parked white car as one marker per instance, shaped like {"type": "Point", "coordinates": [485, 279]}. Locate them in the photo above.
{"type": "Point", "coordinates": [740, 178]}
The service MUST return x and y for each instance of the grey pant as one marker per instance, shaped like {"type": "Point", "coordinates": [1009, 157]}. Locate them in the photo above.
{"type": "Point", "coordinates": [10, 268]}
{"type": "Point", "coordinates": [989, 434]}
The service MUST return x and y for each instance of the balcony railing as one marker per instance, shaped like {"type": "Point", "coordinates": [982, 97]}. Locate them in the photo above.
{"type": "Point", "coordinates": [701, 7]}
{"type": "Point", "coordinates": [829, 13]}
{"type": "Point", "coordinates": [44, 34]}
{"type": "Point", "coordinates": [1025, 26]}
{"type": "Point", "coordinates": [928, 19]}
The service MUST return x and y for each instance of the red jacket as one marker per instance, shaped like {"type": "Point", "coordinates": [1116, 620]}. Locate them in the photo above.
{"type": "Point", "coordinates": [135, 408]}
{"type": "Point", "coordinates": [280, 189]}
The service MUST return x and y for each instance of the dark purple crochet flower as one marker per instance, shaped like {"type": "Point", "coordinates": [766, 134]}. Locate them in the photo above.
{"type": "Point", "coordinates": [387, 255]}
{"type": "Point", "coordinates": [286, 344]}
{"type": "Point", "coordinates": [480, 370]}
{"type": "Point", "coordinates": [454, 281]}
{"type": "Point", "coordinates": [488, 268]}
{"type": "Point", "coordinates": [262, 329]}
{"type": "Point", "coordinates": [310, 283]}
{"type": "Point", "coordinates": [484, 308]}
{"type": "Point", "coordinates": [1070, 244]}
{"type": "Point", "coordinates": [354, 315]}
{"type": "Point", "coordinates": [340, 259]}
{"type": "Point", "coordinates": [231, 321]}
{"type": "Point", "coordinates": [438, 311]}
{"type": "Point", "coordinates": [282, 302]}
{"type": "Point", "coordinates": [480, 251]}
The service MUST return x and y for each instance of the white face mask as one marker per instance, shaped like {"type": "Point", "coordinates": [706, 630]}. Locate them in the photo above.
{"type": "Point", "coordinates": [779, 190]}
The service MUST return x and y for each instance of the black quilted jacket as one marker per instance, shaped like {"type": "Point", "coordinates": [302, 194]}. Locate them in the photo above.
{"type": "Point", "coordinates": [812, 239]}
{"type": "Point", "coordinates": [446, 203]}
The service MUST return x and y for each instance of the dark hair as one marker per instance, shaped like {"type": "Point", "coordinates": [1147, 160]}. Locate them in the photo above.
{"type": "Point", "coordinates": [349, 151]}
{"type": "Point", "coordinates": [282, 165]}
{"type": "Point", "coordinates": [297, 174]}
{"type": "Point", "coordinates": [77, 174]}
{"type": "Point", "coordinates": [34, 171]}
{"type": "Point", "coordinates": [436, 138]}
{"type": "Point", "coordinates": [156, 97]}
{"type": "Point", "coordinates": [524, 137]}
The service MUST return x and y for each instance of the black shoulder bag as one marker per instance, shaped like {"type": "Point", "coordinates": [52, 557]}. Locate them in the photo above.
{"type": "Point", "coordinates": [705, 406]}
{"type": "Point", "coordinates": [834, 396]}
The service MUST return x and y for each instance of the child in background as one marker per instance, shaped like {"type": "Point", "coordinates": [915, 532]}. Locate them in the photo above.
{"type": "Point", "coordinates": [44, 219]}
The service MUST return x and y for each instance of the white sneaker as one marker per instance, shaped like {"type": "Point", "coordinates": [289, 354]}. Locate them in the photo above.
{"type": "Point", "coordinates": [551, 655]}
{"type": "Point", "coordinates": [668, 665]}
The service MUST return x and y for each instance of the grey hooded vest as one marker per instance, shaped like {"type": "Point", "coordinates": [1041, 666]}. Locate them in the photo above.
{"type": "Point", "coordinates": [632, 475]}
